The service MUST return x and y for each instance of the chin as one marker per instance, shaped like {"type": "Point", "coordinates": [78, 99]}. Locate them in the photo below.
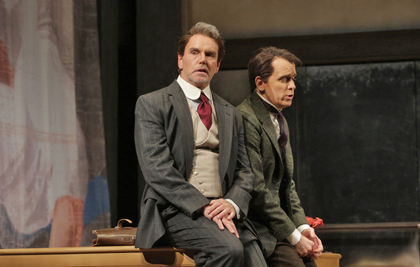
{"type": "Point", "coordinates": [201, 84]}
{"type": "Point", "coordinates": [285, 106]}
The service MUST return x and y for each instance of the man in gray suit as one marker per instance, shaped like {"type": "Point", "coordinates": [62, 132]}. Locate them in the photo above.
{"type": "Point", "coordinates": [275, 207]}
{"type": "Point", "coordinates": [190, 146]}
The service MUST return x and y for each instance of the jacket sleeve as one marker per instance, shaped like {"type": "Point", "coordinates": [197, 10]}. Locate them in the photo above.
{"type": "Point", "coordinates": [299, 216]}
{"type": "Point", "coordinates": [157, 162]}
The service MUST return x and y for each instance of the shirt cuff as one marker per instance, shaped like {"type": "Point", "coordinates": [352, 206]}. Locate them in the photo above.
{"type": "Point", "coordinates": [303, 227]}
{"type": "Point", "coordinates": [296, 235]}
{"type": "Point", "coordinates": [238, 215]}
{"type": "Point", "coordinates": [294, 238]}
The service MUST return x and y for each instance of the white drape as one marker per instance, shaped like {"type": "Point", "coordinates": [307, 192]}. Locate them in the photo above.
{"type": "Point", "coordinates": [44, 168]}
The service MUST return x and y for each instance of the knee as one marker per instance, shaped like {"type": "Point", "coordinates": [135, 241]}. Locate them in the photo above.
{"type": "Point", "coordinates": [221, 254]}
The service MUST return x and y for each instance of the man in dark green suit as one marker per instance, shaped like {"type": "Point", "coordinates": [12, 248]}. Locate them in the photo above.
{"type": "Point", "coordinates": [275, 206]}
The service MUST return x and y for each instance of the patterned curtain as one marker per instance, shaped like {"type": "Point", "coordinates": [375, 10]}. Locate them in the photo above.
{"type": "Point", "coordinates": [53, 187]}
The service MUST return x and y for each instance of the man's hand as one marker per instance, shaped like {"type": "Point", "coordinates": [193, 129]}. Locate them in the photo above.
{"type": "Point", "coordinates": [221, 212]}
{"type": "Point", "coordinates": [317, 247]}
{"type": "Point", "coordinates": [316, 253]}
{"type": "Point", "coordinates": [304, 247]}
{"type": "Point", "coordinates": [230, 225]}
{"type": "Point", "coordinates": [220, 208]}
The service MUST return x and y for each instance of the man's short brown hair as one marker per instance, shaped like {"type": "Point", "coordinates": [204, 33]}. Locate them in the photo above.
{"type": "Point", "coordinates": [260, 63]}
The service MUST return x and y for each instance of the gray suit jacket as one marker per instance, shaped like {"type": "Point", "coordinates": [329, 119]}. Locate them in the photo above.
{"type": "Point", "coordinates": [275, 208]}
{"type": "Point", "coordinates": [165, 144]}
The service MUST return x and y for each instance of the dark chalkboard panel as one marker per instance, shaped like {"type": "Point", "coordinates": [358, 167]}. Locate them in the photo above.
{"type": "Point", "coordinates": [357, 143]}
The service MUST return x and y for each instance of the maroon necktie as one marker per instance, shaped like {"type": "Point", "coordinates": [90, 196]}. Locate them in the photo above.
{"type": "Point", "coordinates": [204, 110]}
{"type": "Point", "coordinates": [283, 135]}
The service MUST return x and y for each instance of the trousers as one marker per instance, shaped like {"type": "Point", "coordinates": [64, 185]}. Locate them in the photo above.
{"type": "Point", "coordinates": [211, 246]}
{"type": "Point", "coordinates": [286, 255]}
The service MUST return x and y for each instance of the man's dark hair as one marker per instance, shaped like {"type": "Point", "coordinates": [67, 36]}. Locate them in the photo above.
{"type": "Point", "coordinates": [206, 30]}
{"type": "Point", "coordinates": [260, 63]}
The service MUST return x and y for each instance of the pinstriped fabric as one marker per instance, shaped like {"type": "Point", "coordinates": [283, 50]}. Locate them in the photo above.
{"type": "Point", "coordinates": [160, 166]}
{"type": "Point", "coordinates": [164, 144]}
{"type": "Point", "coordinates": [204, 237]}
{"type": "Point", "coordinates": [165, 147]}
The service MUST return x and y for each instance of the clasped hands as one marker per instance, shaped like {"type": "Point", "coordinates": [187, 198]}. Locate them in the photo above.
{"type": "Point", "coordinates": [221, 212]}
{"type": "Point", "coordinates": [309, 245]}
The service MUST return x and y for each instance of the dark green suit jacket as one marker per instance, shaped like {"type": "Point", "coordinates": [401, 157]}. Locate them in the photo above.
{"type": "Point", "coordinates": [275, 206]}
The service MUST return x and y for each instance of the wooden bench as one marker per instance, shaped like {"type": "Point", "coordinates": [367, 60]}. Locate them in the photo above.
{"type": "Point", "coordinates": [329, 260]}
{"type": "Point", "coordinates": [115, 256]}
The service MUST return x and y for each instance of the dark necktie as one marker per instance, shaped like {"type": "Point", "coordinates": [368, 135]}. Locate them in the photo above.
{"type": "Point", "coordinates": [283, 135]}
{"type": "Point", "coordinates": [204, 110]}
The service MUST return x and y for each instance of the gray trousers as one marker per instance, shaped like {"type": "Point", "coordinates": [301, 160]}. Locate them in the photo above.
{"type": "Point", "coordinates": [211, 246]}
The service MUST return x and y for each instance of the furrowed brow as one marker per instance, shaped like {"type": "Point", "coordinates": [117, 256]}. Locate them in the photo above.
{"type": "Point", "coordinates": [194, 49]}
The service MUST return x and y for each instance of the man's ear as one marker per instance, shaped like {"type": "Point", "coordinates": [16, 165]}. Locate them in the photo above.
{"type": "Point", "coordinates": [218, 66]}
{"type": "Point", "coordinates": [180, 65]}
{"type": "Point", "coordinates": [259, 84]}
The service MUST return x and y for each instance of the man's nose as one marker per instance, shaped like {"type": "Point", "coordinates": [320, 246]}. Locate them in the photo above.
{"type": "Point", "coordinates": [202, 58]}
{"type": "Point", "coordinates": [292, 85]}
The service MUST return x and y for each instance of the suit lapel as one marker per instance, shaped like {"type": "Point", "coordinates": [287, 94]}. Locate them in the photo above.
{"type": "Point", "coordinates": [224, 120]}
{"type": "Point", "coordinates": [225, 123]}
{"type": "Point", "coordinates": [264, 117]}
{"type": "Point", "coordinates": [180, 104]}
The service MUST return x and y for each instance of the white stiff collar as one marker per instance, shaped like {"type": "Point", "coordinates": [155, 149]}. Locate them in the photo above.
{"type": "Point", "coordinates": [191, 91]}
